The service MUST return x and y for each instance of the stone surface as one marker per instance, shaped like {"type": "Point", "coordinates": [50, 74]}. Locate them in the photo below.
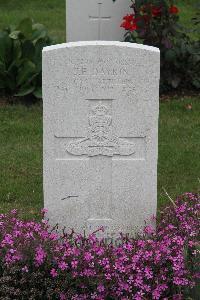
{"type": "Point", "coordinates": [89, 20]}
{"type": "Point", "coordinates": [101, 103]}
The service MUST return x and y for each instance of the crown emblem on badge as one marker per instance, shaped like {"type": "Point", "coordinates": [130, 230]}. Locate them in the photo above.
{"type": "Point", "coordinates": [100, 110]}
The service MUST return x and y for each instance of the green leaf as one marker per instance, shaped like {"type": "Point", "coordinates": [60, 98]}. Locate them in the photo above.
{"type": "Point", "coordinates": [38, 93]}
{"type": "Point", "coordinates": [28, 50]}
{"type": "Point", "coordinates": [40, 44]}
{"type": "Point", "coordinates": [21, 58]}
{"type": "Point", "coordinates": [2, 82]}
{"type": "Point", "coordinates": [10, 81]}
{"type": "Point", "coordinates": [17, 51]}
{"type": "Point", "coordinates": [170, 55]}
{"type": "Point", "coordinates": [25, 90]}
{"type": "Point", "coordinates": [26, 71]}
{"type": "Point", "coordinates": [15, 35]}
{"type": "Point", "coordinates": [5, 47]}
{"type": "Point", "coordinates": [175, 82]}
{"type": "Point", "coordinates": [39, 31]}
{"type": "Point", "coordinates": [25, 27]}
{"type": "Point", "coordinates": [2, 67]}
{"type": "Point", "coordinates": [196, 83]}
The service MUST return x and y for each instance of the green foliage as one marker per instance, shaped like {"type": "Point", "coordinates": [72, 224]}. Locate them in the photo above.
{"type": "Point", "coordinates": [156, 23]}
{"type": "Point", "coordinates": [180, 65]}
{"type": "Point", "coordinates": [21, 58]}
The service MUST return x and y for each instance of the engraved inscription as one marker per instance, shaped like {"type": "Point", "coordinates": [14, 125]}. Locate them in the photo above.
{"type": "Point", "coordinates": [100, 140]}
{"type": "Point", "coordinates": [84, 70]}
{"type": "Point", "coordinates": [87, 86]}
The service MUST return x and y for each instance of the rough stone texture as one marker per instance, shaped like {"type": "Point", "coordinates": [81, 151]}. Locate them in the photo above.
{"type": "Point", "coordinates": [101, 102]}
{"type": "Point", "coordinates": [89, 20]}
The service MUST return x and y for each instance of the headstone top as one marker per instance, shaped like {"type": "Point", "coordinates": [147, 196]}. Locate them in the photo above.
{"type": "Point", "coordinates": [100, 43]}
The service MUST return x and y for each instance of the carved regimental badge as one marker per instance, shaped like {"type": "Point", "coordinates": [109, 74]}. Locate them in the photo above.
{"type": "Point", "coordinates": [100, 139]}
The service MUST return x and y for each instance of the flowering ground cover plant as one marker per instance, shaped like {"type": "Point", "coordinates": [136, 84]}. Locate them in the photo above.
{"type": "Point", "coordinates": [39, 263]}
{"type": "Point", "coordinates": [156, 23]}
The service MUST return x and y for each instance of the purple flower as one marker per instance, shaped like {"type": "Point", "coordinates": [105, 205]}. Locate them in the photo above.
{"type": "Point", "coordinates": [88, 256]}
{"type": "Point", "coordinates": [74, 264]}
{"type": "Point", "coordinates": [40, 256]}
{"type": "Point", "coordinates": [25, 269]}
{"type": "Point", "coordinates": [62, 265]}
{"type": "Point", "coordinates": [100, 288]}
{"type": "Point", "coordinates": [8, 240]}
{"type": "Point", "coordinates": [63, 296]}
{"type": "Point", "coordinates": [44, 211]}
{"type": "Point", "coordinates": [54, 273]}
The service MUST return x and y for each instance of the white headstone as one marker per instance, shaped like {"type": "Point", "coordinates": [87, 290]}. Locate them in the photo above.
{"type": "Point", "coordinates": [89, 20]}
{"type": "Point", "coordinates": [101, 102]}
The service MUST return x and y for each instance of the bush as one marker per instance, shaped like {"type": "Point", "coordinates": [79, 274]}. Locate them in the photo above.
{"type": "Point", "coordinates": [155, 23]}
{"type": "Point", "coordinates": [21, 59]}
{"type": "Point", "coordinates": [38, 263]}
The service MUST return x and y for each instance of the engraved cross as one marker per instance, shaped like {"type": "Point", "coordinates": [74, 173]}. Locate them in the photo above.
{"type": "Point", "coordinates": [99, 18]}
{"type": "Point", "coordinates": [102, 148]}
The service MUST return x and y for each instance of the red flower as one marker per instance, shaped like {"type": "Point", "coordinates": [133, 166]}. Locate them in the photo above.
{"type": "Point", "coordinates": [156, 11]}
{"type": "Point", "coordinates": [173, 10]}
{"type": "Point", "coordinates": [129, 23]}
{"type": "Point", "coordinates": [128, 18]}
{"type": "Point", "coordinates": [133, 26]}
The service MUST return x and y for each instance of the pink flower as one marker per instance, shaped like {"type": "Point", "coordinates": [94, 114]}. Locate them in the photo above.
{"type": "Point", "coordinates": [54, 236]}
{"type": "Point", "coordinates": [54, 273]}
{"type": "Point", "coordinates": [63, 296]}
{"type": "Point", "coordinates": [25, 269]}
{"type": "Point", "coordinates": [44, 211]}
{"type": "Point", "coordinates": [149, 230]}
{"type": "Point", "coordinates": [40, 256]}
{"type": "Point", "coordinates": [128, 246]}
{"type": "Point", "coordinates": [148, 272]}
{"type": "Point", "coordinates": [12, 251]}
{"type": "Point", "coordinates": [108, 276]}
{"type": "Point", "coordinates": [88, 256]}
{"type": "Point", "coordinates": [156, 294]}
{"type": "Point", "coordinates": [62, 265]}
{"type": "Point", "coordinates": [100, 288]}
{"type": "Point", "coordinates": [74, 264]}
{"type": "Point", "coordinates": [8, 240]}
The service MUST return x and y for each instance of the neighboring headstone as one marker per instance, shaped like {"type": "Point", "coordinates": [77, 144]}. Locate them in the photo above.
{"type": "Point", "coordinates": [96, 19]}
{"type": "Point", "coordinates": [101, 102]}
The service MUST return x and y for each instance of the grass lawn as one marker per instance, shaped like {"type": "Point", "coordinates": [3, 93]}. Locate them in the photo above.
{"type": "Point", "coordinates": [21, 154]}
{"type": "Point", "coordinates": [21, 158]}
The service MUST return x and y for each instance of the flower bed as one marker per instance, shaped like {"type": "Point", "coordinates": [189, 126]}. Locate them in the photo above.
{"type": "Point", "coordinates": [36, 263]}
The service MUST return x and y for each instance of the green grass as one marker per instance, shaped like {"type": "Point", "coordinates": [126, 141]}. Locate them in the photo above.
{"type": "Point", "coordinates": [188, 10]}
{"type": "Point", "coordinates": [179, 148]}
{"type": "Point", "coordinates": [21, 159]}
{"type": "Point", "coordinates": [21, 154]}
